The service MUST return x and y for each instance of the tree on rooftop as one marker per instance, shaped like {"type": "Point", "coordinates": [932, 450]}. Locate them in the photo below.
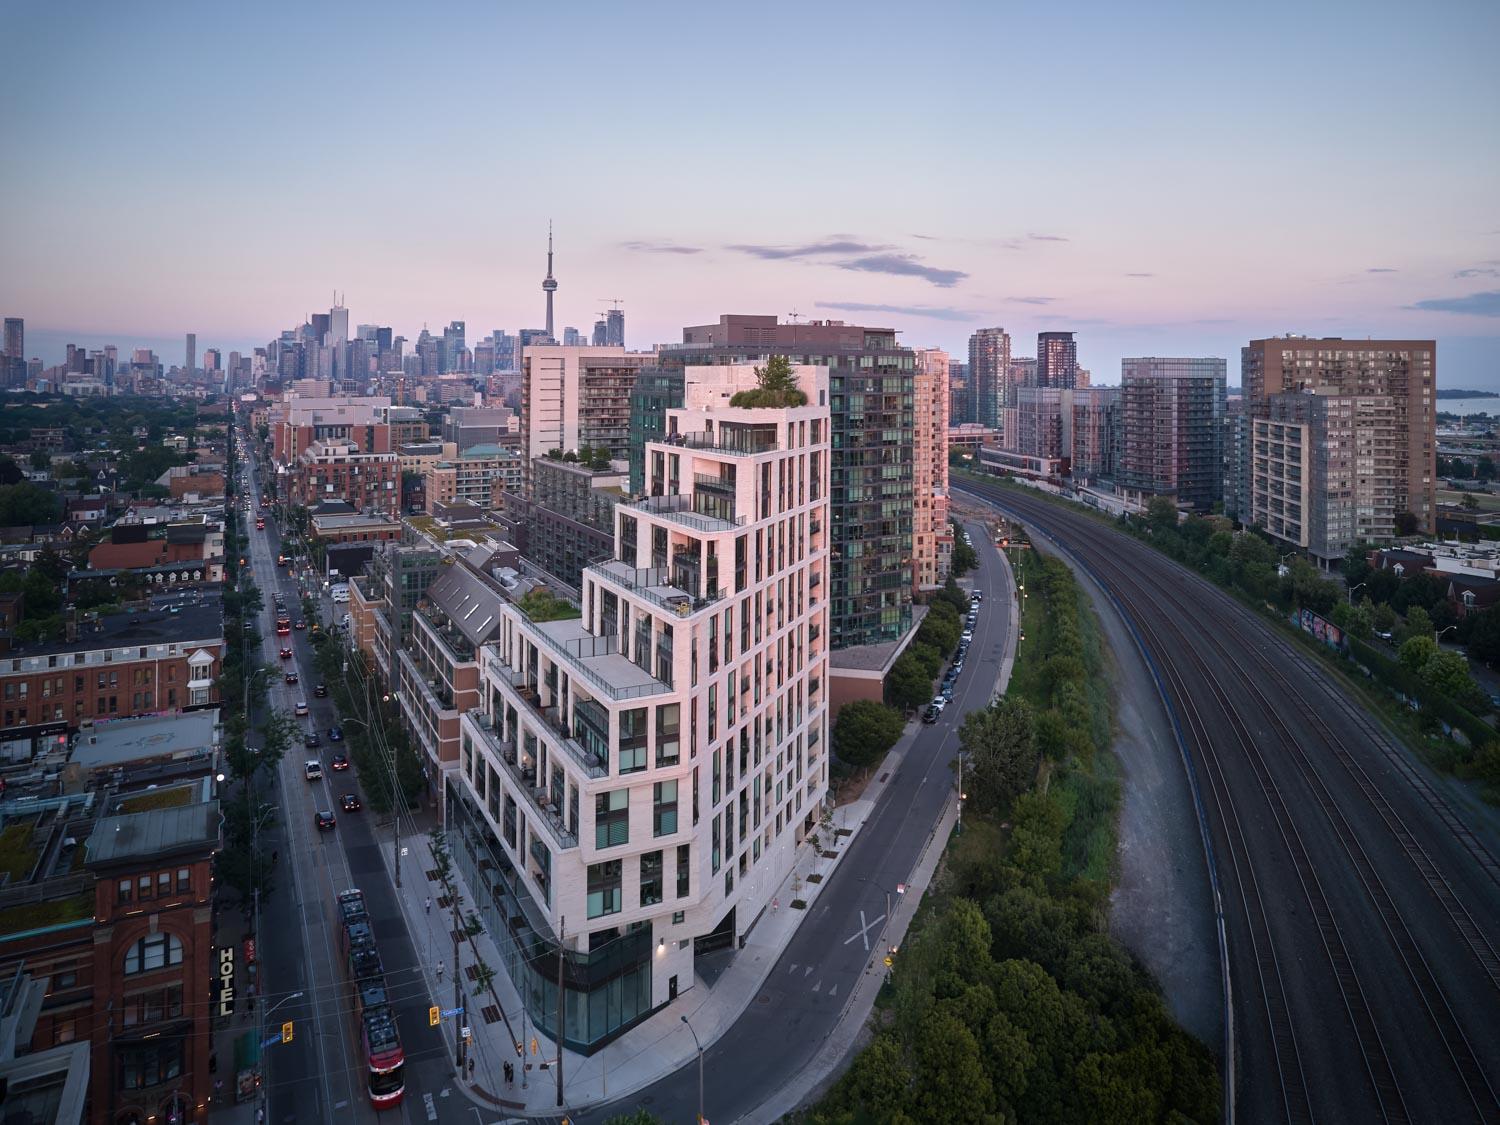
{"type": "Point", "coordinates": [776, 386]}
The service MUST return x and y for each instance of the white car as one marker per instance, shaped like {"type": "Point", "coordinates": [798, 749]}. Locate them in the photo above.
{"type": "Point", "coordinates": [938, 703]}
{"type": "Point", "coordinates": [968, 635]}
{"type": "Point", "coordinates": [314, 770]}
{"type": "Point", "coordinates": [301, 708]}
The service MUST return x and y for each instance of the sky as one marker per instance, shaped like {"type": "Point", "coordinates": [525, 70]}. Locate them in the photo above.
{"type": "Point", "coordinates": [1161, 178]}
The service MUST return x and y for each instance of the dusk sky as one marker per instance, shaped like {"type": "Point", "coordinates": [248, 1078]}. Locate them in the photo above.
{"type": "Point", "coordinates": [1165, 179]}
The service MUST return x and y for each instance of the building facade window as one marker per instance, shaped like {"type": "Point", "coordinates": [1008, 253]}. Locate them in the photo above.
{"type": "Point", "coordinates": [154, 951]}
{"type": "Point", "coordinates": [604, 888]}
{"type": "Point", "coordinates": [664, 808]}
{"type": "Point", "coordinates": [612, 818]}
{"type": "Point", "coordinates": [651, 878]}
{"type": "Point", "coordinates": [684, 869]}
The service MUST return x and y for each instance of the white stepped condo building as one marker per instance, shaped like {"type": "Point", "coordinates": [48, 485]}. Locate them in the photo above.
{"type": "Point", "coordinates": [636, 781]}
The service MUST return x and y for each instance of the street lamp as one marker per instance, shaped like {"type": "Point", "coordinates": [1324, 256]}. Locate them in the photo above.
{"type": "Point", "coordinates": [1361, 586]}
{"type": "Point", "coordinates": [699, 1045]}
{"type": "Point", "coordinates": [260, 1039]}
{"type": "Point", "coordinates": [1438, 636]}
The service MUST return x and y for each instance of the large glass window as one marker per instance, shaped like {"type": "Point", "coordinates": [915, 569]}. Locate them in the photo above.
{"type": "Point", "coordinates": [668, 743]}
{"type": "Point", "coordinates": [664, 808]}
{"type": "Point", "coordinates": [651, 878]}
{"type": "Point", "coordinates": [684, 869]}
{"type": "Point", "coordinates": [150, 1064]}
{"type": "Point", "coordinates": [604, 888]}
{"type": "Point", "coordinates": [632, 751]}
{"type": "Point", "coordinates": [154, 951]}
{"type": "Point", "coordinates": [612, 818]}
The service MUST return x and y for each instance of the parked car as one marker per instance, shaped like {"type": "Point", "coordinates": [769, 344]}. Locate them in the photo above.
{"type": "Point", "coordinates": [939, 702]}
{"type": "Point", "coordinates": [340, 761]}
{"type": "Point", "coordinates": [976, 595]}
{"type": "Point", "coordinates": [325, 820]}
{"type": "Point", "coordinates": [968, 635]}
{"type": "Point", "coordinates": [313, 770]}
{"type": "Point", "coordinates": [947, 692]}
{"type": "Point", "coordinates": [351, 803]}
{"type": "Point", "coordinates": [932, 714]}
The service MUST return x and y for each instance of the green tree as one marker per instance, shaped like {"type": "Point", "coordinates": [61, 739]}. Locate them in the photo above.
{"type": "Point", "coordinates": [1416, 651]}
{"type": "Point", "coordinates": [1448, 672]}
{"type": "Point", "coordinates": [541, 604]}
{"type": "Point", "coordinates": [908, 684]}
{"type": "Point", "coordinates": [1418, 623]}
{"type": "Point", "coordinates": [1000, 754]}
{"type": "Point", "coordinates": [964, 558]}
{"type": "Point", "coordinates": [27, 504]}
{"type": "Point", "coordinates": [1161, 515]}
{"type": "Point", "coordinates": [952, 1082]}
{"type": "Point", "coordinates": [1484, 635]}
{"type": "Point", "coordinates": [864, 731]}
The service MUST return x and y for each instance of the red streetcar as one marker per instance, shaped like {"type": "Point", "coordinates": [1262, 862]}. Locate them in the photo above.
{"type": "Point", "coordinates": [374, 1021]}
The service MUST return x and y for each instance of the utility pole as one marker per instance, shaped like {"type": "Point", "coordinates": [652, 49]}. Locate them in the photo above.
{"type": "Point", "coordinates": [562, 931]}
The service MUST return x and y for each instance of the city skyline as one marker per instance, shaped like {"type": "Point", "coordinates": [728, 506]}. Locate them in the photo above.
{"type": "Point", "coordinates": [1162, 231]}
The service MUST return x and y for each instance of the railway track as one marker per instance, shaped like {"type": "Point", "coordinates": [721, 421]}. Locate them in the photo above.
{"type": "Point", "coordinates": [1179, 654]}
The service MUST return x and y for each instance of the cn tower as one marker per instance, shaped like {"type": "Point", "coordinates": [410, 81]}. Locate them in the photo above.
{"type": "Point", "coordinates": [549, 283]}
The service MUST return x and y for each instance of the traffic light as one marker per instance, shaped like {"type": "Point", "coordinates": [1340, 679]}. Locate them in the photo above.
{"type": "Point", "coordinates": [286, 1032]}
{"type": "Point", "coordinates": [433, 1016]}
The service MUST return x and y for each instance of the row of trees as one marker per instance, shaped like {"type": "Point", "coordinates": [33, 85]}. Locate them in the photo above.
{"type": "Point", "coordinates": [1010, 1002]}
{"type": "Point", "coordinates": [592, 457]}
{"type": "Point", "coordinates": [908, 685]}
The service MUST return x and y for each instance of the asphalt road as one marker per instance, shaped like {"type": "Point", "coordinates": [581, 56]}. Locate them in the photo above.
{"type": "Point", "coordinates": [841, 939]}
{"type": "Point", "coordinates": [1361, 904]}
{"type": "Point", "coordinates": [319, 1076]}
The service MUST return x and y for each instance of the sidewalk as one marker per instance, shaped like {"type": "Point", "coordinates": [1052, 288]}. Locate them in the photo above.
{"type": "Point", "coordinates": [231, 933]}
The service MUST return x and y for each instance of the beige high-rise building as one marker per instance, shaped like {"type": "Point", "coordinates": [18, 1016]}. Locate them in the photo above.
{"type": "Point", "coordinates": [1404, 370]}
{"type": "Point", "coordinates": [1324, 471]}
{"type": "Point", "coordinates": [932, 540]}
{"type": "Point", "coordinates": [574, 397]}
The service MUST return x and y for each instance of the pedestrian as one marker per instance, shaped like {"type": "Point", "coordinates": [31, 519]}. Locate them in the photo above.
{"type": "Point", "coordinates": [510, 1073]}
{"type": "Point", "coordinates": [428, 904]}
{"type": "Point", "coordinates": [440, 972]}
{"type": "Point", "coordinates": [471, 1070]}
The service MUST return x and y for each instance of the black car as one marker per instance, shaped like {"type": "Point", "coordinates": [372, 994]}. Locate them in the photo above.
{"type": "Point", "coordinates": [299, 625]}
{"type": "Point", "coordinates": [340, 761]}
{"type": "Point", "coordinates": [312, 739]}
{"type": "Point", "coordinates": [931, 715]}
{"type": "Point", "coordinates": [325, 820]}
{"type": "Point", "coordinates": [351, 803]}
{"type": "Point", "coordinates": [321, 691]}
{"type": "Point", "coordinates": [335, 734]}
{"type": "Point", "coordinates": [291, 677]}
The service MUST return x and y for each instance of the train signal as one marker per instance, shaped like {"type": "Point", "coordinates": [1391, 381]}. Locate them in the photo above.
{"type": "Point", "coordinates": [286, 1032]}
{"type": "Point", "coordinates": [433, 1016]}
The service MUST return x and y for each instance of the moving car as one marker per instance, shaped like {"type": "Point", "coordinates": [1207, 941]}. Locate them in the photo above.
{"type": "Point", "coordinates": [311, 739]}
{"type": "Point", "coordinates": [335, 734]}
{"type": "Point", "coordinates": [351, 803]}
{"type": "Point", "coordinates": [301, 708]}
{"type": "Point", "coordinates": [321, 691]}
{"type": "Point", "coordinates": [340, 761]}
{"type": "Point", "coordinates": [300, 625]}
{"type": "Point", "coordinates": [325, 821]}
{"type": "Point", "coordinates": [286, 654]}
{"type": "Point", "coordinates": [291, 677]}
{"type": "Point", "coordinates": [313, 770]}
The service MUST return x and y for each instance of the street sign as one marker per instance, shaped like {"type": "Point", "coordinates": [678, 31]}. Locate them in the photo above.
{"type": "Point", "coordinates": [466, 1035]}
{"type": "Point", "coordinates": [889, 961]}
{"type": "Point", "coordinates": [270, 1041]}
{"type": "Point", "coordinates": [449, 1013]}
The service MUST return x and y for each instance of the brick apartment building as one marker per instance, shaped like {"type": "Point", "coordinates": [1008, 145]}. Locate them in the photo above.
{"type": "Point", "coordinates": [115, 917]}
{"type": "Point", "coordinates": [124, 664]}
{"type": "Point", "coordinates": [338, 470]}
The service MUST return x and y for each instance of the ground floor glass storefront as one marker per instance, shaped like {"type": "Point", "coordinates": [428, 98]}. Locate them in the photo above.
{"type": "Point", "coordinates": [606, 989]}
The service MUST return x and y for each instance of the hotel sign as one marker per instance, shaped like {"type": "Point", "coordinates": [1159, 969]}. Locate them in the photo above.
{"type": "Point", "coordinates": [225, 996]}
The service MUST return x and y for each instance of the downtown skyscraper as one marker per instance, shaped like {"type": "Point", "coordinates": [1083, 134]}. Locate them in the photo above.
{"type": "Point", "coordinates": [989, 376]}
{"type": "Point", "coordinates": [1056, 359]}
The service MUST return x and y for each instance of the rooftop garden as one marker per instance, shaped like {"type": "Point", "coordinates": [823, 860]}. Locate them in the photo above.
{"type": "Point", "coordinates": [777, 387]}
{"type": "Point", "coordinates": [543, 605]}
{"type": "Point", "coordinates": [17, 856]}
{"type": "Point", "coordinates": [52, 912]}
{"type": "Point", "coordinates": [173, 798]}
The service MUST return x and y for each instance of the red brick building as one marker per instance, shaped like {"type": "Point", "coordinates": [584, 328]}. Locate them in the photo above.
{"type": "Point", "coordinates": [125, 664]}
{"type": "Point", "coordinates": [126, 947]}
{"type": "Point", "coordinates": [367, 482]}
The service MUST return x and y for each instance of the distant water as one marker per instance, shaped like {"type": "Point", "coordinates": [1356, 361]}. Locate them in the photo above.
{"type": "Point", "coordinates": [1489, 406]}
